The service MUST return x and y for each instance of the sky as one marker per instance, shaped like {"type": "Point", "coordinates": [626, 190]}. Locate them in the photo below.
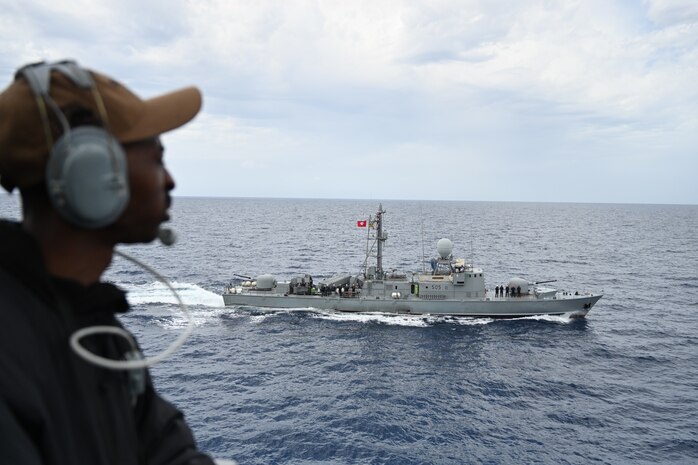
{"type": "Point", "coordinates": [543, 101]}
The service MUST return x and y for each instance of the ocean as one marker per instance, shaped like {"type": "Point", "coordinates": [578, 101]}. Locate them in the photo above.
{"type": "Point", "coordinates": [304, 387]}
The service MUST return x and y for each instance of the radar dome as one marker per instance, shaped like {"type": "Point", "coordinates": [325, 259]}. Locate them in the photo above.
{"type": "Point", "coordinates": [444, 247]}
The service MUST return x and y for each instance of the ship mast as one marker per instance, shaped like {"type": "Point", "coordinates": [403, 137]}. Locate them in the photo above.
{"type": "Point", "coordinates": [380, 237]}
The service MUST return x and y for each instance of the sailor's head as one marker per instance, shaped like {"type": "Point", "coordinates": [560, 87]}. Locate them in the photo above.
{"type": "Point", "coordinates": [87, 140]}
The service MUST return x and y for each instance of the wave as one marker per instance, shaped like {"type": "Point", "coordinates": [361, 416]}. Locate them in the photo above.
{"type": "Point", "coordinates": [396, 320]}
{"type": "Point", "coordinates": [258, 315]}
{"type": "Point", "coordinates": [562, 319]}
{"type": "Point", "coordinates": [158, 293]}
{"type": "Point", "coordinates": [419, 321]}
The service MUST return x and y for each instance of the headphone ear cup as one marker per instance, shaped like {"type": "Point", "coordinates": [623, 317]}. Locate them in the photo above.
{"type": "Point", "coordinates": [87, 177]}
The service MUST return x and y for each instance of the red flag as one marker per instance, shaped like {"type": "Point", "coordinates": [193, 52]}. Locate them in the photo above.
{"type": "Point", "coordinates": [361, 223]}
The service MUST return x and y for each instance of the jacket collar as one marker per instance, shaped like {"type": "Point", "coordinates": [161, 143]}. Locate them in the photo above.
{"type": "Point", "coordinates": [21, 257]}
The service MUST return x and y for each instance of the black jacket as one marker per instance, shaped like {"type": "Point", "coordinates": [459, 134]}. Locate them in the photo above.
{"type": "Point", "coordinates": [56, 408]}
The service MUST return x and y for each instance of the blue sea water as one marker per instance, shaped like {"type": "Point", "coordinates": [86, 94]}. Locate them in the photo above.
{"type": "Point", "coordinates": [302, 387]}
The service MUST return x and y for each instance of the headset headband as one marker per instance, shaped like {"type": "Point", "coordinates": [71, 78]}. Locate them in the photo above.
{"type": "Point", "coordinates": [38, 75]}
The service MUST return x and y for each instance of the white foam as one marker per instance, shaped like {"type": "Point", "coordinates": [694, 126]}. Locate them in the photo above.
{"type": "Point", "coordinates": [257, 319]}
{"type": "Point", "coordinates": [459, 320]}
{"type": "Point", "coordinates": [396, 320]}
{"type": "Point", "coordinates": [158, 293]}
{"type": "Point", "coordinates": [401, 320]}
{"type": "Point", "coordinates": [177, 320]}
{"type": "Point", "coordinates": [563, 319]}
{"type": "Point", "coordinates": [374, 317]}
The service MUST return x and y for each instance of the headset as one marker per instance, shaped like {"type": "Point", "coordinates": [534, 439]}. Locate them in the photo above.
{"type": "Point", "coordinates": [86, 173]}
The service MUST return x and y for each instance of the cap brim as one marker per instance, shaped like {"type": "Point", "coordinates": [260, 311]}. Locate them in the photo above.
{"type": "Point", "coordinates": [164, 113]}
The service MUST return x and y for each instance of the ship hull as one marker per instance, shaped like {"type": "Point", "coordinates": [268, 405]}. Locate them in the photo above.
{"type": "Point", "coordinates": [574, 306]}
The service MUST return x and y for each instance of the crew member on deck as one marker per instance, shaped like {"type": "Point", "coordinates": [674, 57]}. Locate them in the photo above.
{"type": "Point", "coordinates": [107, 185]}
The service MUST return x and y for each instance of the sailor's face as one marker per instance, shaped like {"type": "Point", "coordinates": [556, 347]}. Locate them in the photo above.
{"type": "Point", "coordinates": [150, 184]}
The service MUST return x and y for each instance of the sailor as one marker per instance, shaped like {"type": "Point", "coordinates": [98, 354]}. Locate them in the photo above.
{"type": "Point", "coordinates": [56, 408]}
{"type": "Point", "coordinates": [507, 291]}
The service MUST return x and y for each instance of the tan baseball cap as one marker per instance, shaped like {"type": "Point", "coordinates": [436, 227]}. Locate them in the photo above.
{"type": "Point", "coordinates": [24, 148]}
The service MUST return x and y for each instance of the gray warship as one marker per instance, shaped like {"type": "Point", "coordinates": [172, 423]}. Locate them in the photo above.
{"type": "Point", "coordinates": [451, 288]}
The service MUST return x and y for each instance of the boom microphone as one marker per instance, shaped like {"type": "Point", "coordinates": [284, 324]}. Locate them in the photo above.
{"type": "Point", "coordinates": [167, 236]}
{"type": "Point", "coordinates": [133, 362]}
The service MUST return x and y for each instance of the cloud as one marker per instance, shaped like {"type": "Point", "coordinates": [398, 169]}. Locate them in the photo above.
{"type": "Point", "coordinates": [306, 90]}
{"type": "Point", "coordinates": [672, 12]}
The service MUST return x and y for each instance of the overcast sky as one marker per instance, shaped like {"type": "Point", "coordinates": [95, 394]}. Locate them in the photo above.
{"type": "Point", "coordinates": [560, 101]}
